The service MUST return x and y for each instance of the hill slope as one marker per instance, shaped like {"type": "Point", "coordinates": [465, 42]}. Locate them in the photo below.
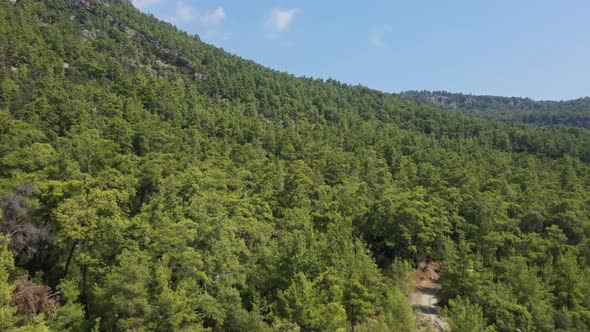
{"type": "Point", "coordinates": [575, 113]}
{"type": "Point", "coordinates": [149, 181]}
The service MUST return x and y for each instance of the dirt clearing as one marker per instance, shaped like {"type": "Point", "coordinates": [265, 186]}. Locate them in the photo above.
{"type": "Point", "coordinates": [424, 300]}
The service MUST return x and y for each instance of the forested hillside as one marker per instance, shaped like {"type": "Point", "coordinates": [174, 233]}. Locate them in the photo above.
{"type": "Point", "coordinates": [574, 113]}
{"type": "Point", "coordinates": [152, 182]}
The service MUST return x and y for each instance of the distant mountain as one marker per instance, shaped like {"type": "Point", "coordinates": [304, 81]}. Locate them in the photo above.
{"type": "Point", "coordinates": [574, 112]}
{"type": "Point", "coordinates": [152, 182]}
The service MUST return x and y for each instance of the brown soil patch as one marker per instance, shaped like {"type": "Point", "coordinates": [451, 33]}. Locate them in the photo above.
{"type": "Point", "coordinates": [424, 300]}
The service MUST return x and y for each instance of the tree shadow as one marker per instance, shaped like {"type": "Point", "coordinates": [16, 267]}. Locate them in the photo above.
{"type": "Point", "coordinates": [426, 309]}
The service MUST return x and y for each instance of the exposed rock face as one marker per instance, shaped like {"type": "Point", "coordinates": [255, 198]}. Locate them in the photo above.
{"type": "Point", "coordinates": [88, 34]}
{"type": "Point", "coordinates": [200, 77]}
{"type": "Point", "coordinates": [177, 59]}
{"type": "Point", "coordinates": [89, 5]}
{"type": "Point", "coordinates": [169, 58]}
{"type": "Point", "coordinates": [92, 5]}
{"type": "Point", "coordinates": [130, 32]}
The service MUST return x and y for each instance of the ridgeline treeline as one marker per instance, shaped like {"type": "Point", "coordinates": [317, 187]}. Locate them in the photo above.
{"type": "Point", "coordinates": [575, 113]}
{"type": "Point", "coordinates": [152, 182]}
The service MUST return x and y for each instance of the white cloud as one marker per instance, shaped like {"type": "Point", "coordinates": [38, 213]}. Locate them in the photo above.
{"type": "Point", "coordinates": [184, 12]}
{"type": "Point", "coordinates": [213, 17]}
{"type": "Point", "coordinates": [280, 19]}
{"type": "Point", "coordinates": [377, 35]}
{"type": "Point", "coordinates": [208, 23]}
{"type": "Point", "coordinates": [189, 14]}
{"type": "Point", "coordinates": [143, 4]}
{"type": "Point", "coordinates": [376, 42]}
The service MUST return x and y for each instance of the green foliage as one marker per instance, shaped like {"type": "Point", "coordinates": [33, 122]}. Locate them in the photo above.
{"type": "Point", "coordinates": [154, 182]}
{"type": "Point", "coordinates": [398, 314]}
{"type": "Point", "coordinates": [465, 317]}
{"type": "Point", "coordinates": [70, 315]}
{"type": "Point", "coordinates": [570, 112]}
{"type": "Point", "coordinates": [303, 304]}
{"type": "Point", "coordinates": [125, 296]}
{"type": "Point", "coordinates": [7, 311]}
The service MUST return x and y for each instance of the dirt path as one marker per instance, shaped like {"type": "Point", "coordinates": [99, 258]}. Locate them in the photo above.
{"type": "Point", "coordinates": [424, 300]}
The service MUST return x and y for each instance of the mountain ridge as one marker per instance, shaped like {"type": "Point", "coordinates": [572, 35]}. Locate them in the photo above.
{"type": "Point", "coordinates": [152, 182]}
{"type": "Point", "coordinates": [574, 112]}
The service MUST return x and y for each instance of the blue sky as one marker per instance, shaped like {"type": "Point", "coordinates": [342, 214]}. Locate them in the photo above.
{"type": "Point", "coordinates": [528, 48]}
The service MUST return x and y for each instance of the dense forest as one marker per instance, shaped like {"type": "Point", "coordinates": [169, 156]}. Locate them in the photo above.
{"type": "Point", "coordinates": [574, 113]}
{"type": "Point", "coordinates": [152, 182]}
